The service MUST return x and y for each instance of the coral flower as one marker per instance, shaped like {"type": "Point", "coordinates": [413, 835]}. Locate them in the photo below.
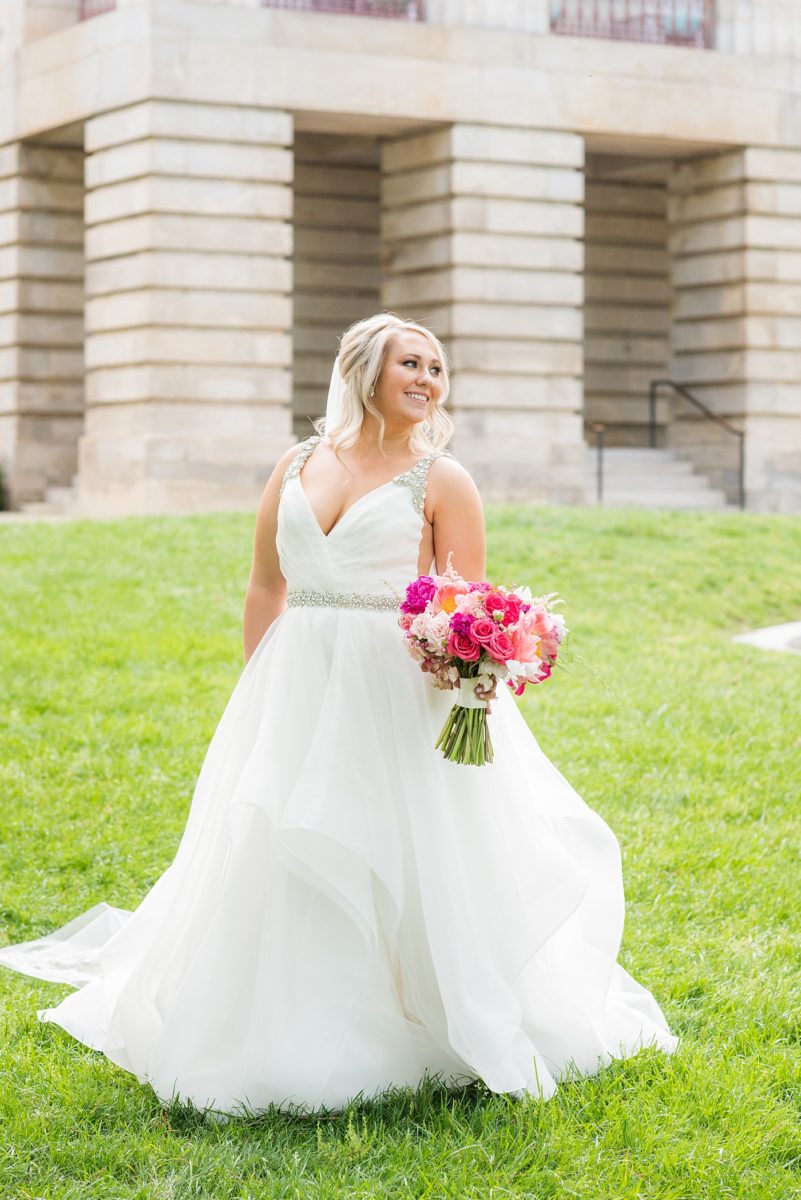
{"type": "Point", "coordinates": [444, 599]}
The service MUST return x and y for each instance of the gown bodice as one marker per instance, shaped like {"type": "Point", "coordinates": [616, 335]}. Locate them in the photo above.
{"type": "Point", "coordinates": [372, 549]}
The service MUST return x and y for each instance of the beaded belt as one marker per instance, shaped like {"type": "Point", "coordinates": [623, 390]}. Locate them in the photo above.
{"type": "Point", "coordinates": [297, 599]}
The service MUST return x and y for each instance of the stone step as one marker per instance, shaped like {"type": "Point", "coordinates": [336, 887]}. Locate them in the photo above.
{"type": "Point", "coordinates": [654, 478]}
{"type": "Point", "coordinates": [58, 501]}
{"type": "Point", "coordinates": [657, 479]}
{"type": "Point", "coordinates": [42, 508]}
{"type": "Point", "coordinates": [637, 477]}
{"type": "Point", "coordinates": [676, 499]}
{"type": "Point", "coordinates": [60, 496]}
{"type": "Point", "coordinates": [633, 453]}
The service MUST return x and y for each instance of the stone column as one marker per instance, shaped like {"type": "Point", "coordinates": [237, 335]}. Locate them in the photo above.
{"type": "Point", "coordinates": [736, 336]}
{"type": "Point", "coordinates": [41, 317]}
{"type": "Point", "coordinates": [188, 313]}
{"type": "Point", "coordinates": [482, 230]}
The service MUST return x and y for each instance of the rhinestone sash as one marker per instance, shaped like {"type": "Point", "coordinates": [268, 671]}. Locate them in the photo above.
{"type": "Point", "coordinates": [299, 599]}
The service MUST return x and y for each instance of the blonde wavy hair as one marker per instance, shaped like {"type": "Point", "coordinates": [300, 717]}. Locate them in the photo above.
{"type": "Point", "coordinates": [362, 354]}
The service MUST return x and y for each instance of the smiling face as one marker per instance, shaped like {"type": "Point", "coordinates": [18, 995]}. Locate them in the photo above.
{"type": "Point", "coordinates": [411, 380]}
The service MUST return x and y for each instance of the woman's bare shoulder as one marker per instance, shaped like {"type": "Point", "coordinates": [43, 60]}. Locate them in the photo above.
{"type": "Point", "coordinates": [448, 476]}
{"type": "Point", "coordinates": [451, 489]}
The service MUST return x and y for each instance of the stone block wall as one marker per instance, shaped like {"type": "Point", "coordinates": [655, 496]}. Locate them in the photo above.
{"type": "Point", "coordinates": [736, 339]}
{"type": "Point", "coordinates": [188, 312]}
{"type": "Point", "coordinates": [337, 268]}
{"type": "Point", "coordinates": [41, 317]}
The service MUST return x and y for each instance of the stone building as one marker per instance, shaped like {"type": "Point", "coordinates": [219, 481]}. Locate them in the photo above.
{"type": "Point", "coordinates": [581, 198]}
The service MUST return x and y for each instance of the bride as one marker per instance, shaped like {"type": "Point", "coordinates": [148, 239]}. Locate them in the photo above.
{"type": "Point", "coordinates": [347, 910]}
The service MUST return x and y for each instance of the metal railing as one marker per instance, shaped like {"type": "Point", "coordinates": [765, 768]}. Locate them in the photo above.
{"type": "Point", "coordinates": [405, 10]}
{"type": "Point", "coordinates": [667, 22]}
{"type": "Point", "coordinates": [93, 8]}
{"type": "Point", "coordinates": [599, 430]}
{"type": "Point", "coordinates": [679, 390]}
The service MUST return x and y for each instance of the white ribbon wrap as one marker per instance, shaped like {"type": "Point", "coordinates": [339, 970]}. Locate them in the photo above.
{"type": "Point", "coordinates": [466, 695]}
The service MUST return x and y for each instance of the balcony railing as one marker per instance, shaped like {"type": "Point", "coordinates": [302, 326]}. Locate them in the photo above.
{"type": "Point", "coordinates": [405, 10]}
{"type": "Point", "coordinates": [669, 22]}
{"type": "Point", "coordinates": [93, 8]}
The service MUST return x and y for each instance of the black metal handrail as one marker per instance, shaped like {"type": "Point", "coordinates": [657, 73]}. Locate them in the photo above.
{"type": "Point", "coordinates": [682, 391]}
{"type": "Point", "coordinates": [600, 433]}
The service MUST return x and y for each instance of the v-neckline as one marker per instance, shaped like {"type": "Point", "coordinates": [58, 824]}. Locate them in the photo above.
{"type": "Point", "coordinates": [380, 487]}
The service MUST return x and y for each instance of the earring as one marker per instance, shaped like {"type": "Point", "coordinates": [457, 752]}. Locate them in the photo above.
{"type": "Point", "coordinates": [372, 393]}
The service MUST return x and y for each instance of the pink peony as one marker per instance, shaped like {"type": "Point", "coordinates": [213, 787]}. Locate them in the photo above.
{"type": "Point", "coordinates": [526, 646]}
{"type": "Point", "coordinates": [418, 594]}
{"type": "Point", "coordinates": [549, 645]}
{"type": "Point", "coordinates": [469, 602]}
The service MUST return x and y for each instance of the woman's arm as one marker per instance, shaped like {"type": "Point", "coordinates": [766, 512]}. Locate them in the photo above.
{"type": "Point", "coordinates": [457, 516]}
{"type": "Point", "coordinates": [266, 592]}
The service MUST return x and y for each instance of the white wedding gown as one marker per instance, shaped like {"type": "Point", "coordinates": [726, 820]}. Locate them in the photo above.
{"type": "Point", "coordinates": [347, 910]}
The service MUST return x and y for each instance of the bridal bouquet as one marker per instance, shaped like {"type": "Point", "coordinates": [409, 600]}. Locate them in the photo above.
{"type": "Point", "coordinates": [471, 636]}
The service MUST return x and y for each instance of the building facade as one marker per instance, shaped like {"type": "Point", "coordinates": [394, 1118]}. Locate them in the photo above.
{"type": "Point", "coordinates": [581, 199]}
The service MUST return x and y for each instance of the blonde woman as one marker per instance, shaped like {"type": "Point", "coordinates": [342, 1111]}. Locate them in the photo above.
{"type": "Point", "coordinates": [347, 910]}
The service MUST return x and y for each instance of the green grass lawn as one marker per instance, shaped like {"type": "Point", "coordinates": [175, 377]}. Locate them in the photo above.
{"type": "Point", "coordinates": [120, 645]}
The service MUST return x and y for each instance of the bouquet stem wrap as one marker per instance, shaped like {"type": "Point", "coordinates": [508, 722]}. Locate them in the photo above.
{"type": "Point", "coordinates": [465, 735]}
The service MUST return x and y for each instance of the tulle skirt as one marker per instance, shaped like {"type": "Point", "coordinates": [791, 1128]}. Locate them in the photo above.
{"type": "Point", "coordinates": [348, 911]}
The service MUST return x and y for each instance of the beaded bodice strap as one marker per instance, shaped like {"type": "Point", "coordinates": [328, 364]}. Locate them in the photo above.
{"type": "Point", "coordinates": [296, 466]}
{"type": "Point", "coordinates": [416, 478]}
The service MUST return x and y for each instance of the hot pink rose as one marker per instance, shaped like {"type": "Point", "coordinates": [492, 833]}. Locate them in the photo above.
{"type": "Point", "coordinates": [494, 602]}
{"type": "Point", "coordinates": [482, 630]}
{"type": "Point", "coordinates": [513, 609]}
{"type": "Point", "coordinates": [500, 646]}
{"type": "Point", "coordinates": [463, 646]}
